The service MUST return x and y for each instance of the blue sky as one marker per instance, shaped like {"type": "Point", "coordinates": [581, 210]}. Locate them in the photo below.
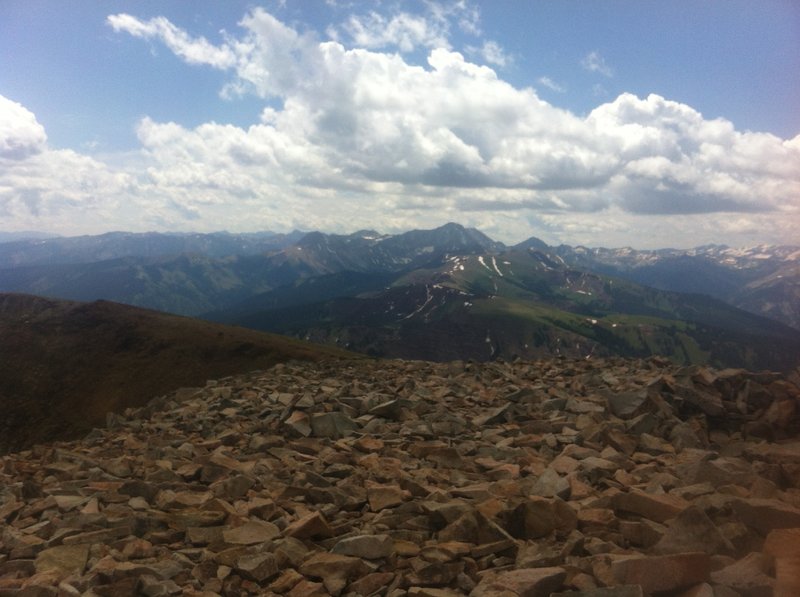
{"type": "Point", "coordinates": [603, 123]}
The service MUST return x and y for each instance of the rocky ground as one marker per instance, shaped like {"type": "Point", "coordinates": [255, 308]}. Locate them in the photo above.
{"type": "Point", "coordinates": [585, 478]}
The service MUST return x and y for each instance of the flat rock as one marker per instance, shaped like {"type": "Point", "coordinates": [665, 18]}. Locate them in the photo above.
{"type": "Point", "coordinates": [250, 533]}
{"type": "Point", "coordinates": [663, 573]}
{"type": "Point", "coordinates": [657, 507]}
{"type": "Point", "coordinates": [65, 559]}
{"type": "Point", "coordinates": [525, 582]}
{"type": "Point", "coordinates": [369, 547]}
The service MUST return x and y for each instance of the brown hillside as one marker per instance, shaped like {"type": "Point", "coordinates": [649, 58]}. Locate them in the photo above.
{"type": "Point", "coordinates": [64, 365]}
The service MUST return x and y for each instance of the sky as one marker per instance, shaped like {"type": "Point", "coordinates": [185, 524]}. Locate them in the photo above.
{"type": "Point", "coordinates": [611, 123]}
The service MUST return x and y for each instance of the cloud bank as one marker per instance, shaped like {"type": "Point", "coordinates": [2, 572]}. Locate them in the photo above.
{"type": "Point", "coordinates": [355, 134]}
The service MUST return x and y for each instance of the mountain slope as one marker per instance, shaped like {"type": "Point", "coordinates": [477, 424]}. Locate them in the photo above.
{"type": "Point", "coordinates": [523, 303]}
{"type": "Point", "coordinates": [64, 365]}
{"type": "Point", "coordinates": [764, 280]}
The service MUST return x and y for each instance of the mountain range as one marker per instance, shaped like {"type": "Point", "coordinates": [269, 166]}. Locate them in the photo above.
{"type": "Point", "coordinates": [441, 294]}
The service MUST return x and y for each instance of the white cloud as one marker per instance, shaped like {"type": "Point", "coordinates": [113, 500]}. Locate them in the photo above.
{"type": "Point", "coordinates": [193, 50]}
{"type": "Point", "coordinates": [408, 32]}
{"type": "Point", "coordinates": [551, 85]}
{"type": "Point", "coordinates": [360, 138]}
{"type": "Point", "coordinates": [595, 63]}
{"type": "Point", "coordinates": [493, 53]}
{"type": "Point", "coordinates": [20, 134]}
{"type": "Point", "coordinates": [403, 31]}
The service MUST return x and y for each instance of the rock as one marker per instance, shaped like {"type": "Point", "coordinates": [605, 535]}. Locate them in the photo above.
{"type": "Point", "coordinates": [691, 531]}
{"type": "Point", "coordinates": [389, 496]}
{"type": "Point", "coordinates": [784, 546]}
{"type": "Point", "coordinates": [626, 404]}
{"type": "Point", "coordinates": [747, 576]}
{"type": "Point", "coordinates": [65, 559]}
{"type": "Point", "coordinates": [419, 479]}
{"type": "Point", "coordinates": [368, 547]}
{"type": "Point", "coordinates": [525, 582]}
{"type": "Point", "coordinates": [651, 506]}
{"type": "Point", "coordinates": [663, 573]}
{"type": "Point", "coordinates": [551, 484]}
{"type": "Point", "coordinates": [538, 517]}
{"type": "Point", "coordinates": [258, 567]}
{"type": "Point", "coordinates": [473, 527]}
{"type": "Point", "coordinates": [312, 525]}
{"type": "Point", "coordinates": [332, 425]}
{"type": "Point", "coordinates": [371, 583]}
{"type": "Point", "coordinates": [765, 514]}
{"type": "Point", "coordinates": [619, 591]}
{"type": "Point", "coordinates": [334, 570]}
{"type": "Point", "coordinates": [250, 533]}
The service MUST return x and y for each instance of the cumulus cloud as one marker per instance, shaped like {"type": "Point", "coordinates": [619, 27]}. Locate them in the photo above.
{"type": "Point", "coordinates": [356, 137]}
{"type": "Point", "coordinates": [594, 62]}
{"type": "Point", "coordinates": [408, 32]}
{"type": "Point", "coordinates": [39, 184]}
{"type": "Point", "coordinates": [454, 133]}
{"type": "Point", "coordinates": [404, 31]}
{"type": "Point", "coordinates": [20, 133]}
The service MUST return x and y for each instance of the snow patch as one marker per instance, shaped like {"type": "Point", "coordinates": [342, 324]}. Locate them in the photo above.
{"type": "Point", "coordinates": [494, 265]}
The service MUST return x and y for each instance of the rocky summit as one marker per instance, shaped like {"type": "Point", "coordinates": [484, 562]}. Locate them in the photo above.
{"type": "Point", "coordinates": [613, 478]}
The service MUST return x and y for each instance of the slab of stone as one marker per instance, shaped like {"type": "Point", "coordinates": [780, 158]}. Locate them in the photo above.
{"type": "Point", "coordinates": [663, 573]}
{"type": "Point", "coordinates": [525, 582]}
{"type": "Point", "coordinates": [250, 533]}
{"type": "Point", "coordinates": [539, 517]}
{"type": "Point", "coordinates": [784, 546]}
{"type": "Point", "coordinates": [749, 575]}
{"type": "Point", "coordinates": [312, 525]}
{"type": "Point", "coordinates": [258, 567]}
{"type": "Point", "coordinates": [692, 530]}
{"type": "Point", "coordinates": [657, 507]}
{"type": "Point", "coordinates": [332, 425]}
{"type": "Point", "coordinates": [368, 547]}
{"type": "Point", "coordinates": [65, 559]}
{"type": "Point", "coordinates": [766, 514]}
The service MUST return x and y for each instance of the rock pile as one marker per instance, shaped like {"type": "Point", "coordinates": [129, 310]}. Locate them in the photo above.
{"type": "Point", "coordinates": [594, 478]}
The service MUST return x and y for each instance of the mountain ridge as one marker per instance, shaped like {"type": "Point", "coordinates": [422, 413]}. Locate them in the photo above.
{"type": "Point", "coordinates": [65, 364]}
{"type": "Point", "coordinates": [563, 297]}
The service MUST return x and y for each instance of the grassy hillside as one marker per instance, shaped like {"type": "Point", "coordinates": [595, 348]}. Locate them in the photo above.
{"type": "Point", "coordinates": [64, 365]}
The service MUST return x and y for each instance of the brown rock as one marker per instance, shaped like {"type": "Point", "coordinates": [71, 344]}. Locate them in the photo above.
{"type": "Point", "coordinates": [312, 525]}
{"type": "Point", "coordinates": [747, 576]}
{"type": "Point", "coordinates": [371, 583]}
{"type": "Point", "coordinates": [258, 567]}
{"type": "Point", "coordinates": [620, 591]}
{"type": "Point", "coordinates": [306, 588]}
{"type": "Point", "coordinates": [765, 514]}
{"type": "Point", "coordinates": [663, 573]}
{"type": "Point", "coordinates": [387, 496]}
{"type": "Point", "coordinates": [538, 517]}
{"type": "Point", "coordinates": [784, 546]}
{"type": "Point", "coordinates": [334, 570]}
{"type": "Point", "coordinates": [368, 547]}
{"type": "Point", "coordinates": [286, 581]}
{"type": "Point", "coordinates": [651, 506]}
{"type": "Point", "coordinates": [65, 559]}
{"type": "Point", "coordinates": [250, 533]}
{"type": "Point", "coordinates": [473, 527]}
{"type": "Point", "coordinates": [525, 582]}
{"type": "Point", "coordinates": [691, 531]}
